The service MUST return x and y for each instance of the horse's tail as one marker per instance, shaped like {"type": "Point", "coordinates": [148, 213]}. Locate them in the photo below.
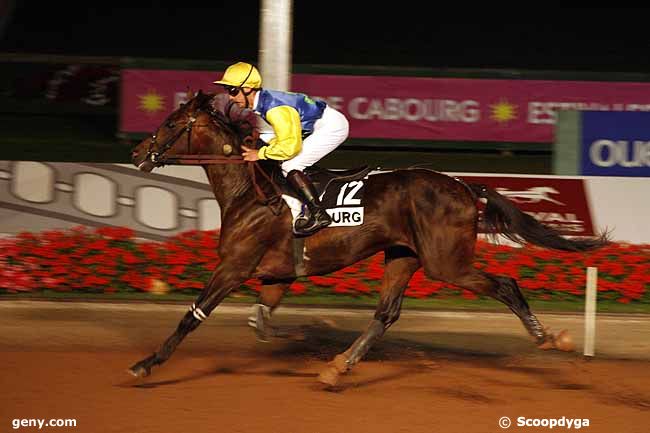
{"type": "Point", "coordinates": [502, 216]}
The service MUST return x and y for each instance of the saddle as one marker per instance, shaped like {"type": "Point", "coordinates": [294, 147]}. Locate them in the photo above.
{"type": "Point", "coordinates": [322, 178]}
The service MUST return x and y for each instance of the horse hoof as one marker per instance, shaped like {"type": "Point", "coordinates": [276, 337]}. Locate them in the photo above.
{"type": "Point", "coordinates": [564, 342]}
{"type": "Point", "coordinates": [329, 377]}
{"type": "Point", "coordinates": [340, 364]}
{"type": "Point", "coordinates": [139, 371]}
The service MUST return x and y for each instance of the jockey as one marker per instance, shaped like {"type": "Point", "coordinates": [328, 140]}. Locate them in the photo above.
{"type": "Point", "coordinates": [305, 130]}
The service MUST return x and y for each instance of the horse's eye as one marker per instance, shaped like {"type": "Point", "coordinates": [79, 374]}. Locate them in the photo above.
{"type": "Point", "coordinates": [171, 125]}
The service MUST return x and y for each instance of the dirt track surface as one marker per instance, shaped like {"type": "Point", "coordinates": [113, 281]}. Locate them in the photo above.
{"type": "Point", "coordinates": [432, 372]}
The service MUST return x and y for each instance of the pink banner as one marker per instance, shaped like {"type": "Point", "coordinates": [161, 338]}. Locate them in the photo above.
{"type": "Point", "coordinates": [406, 107]}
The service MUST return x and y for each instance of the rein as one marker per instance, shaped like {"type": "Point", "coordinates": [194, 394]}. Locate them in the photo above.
{"type": "Point", "coordinates": [201, 160]}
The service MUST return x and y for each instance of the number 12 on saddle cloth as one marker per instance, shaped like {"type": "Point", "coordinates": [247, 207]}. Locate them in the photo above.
{"type": "Point", "coordinates": [342, 200]}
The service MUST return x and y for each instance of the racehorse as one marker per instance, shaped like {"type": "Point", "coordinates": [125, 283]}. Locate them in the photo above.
{"type": "Point", "coordinates": [417, 217]}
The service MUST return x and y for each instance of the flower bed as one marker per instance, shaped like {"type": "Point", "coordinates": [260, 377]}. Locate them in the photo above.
{"type": "Point", "coordinates": [110, 259]}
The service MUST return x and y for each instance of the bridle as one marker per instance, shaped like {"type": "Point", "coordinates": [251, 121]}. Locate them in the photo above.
{"type": "Point", "coordinates": [159, 159]}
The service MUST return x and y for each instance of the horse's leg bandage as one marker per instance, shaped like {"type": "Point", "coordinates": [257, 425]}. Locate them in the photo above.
{"type": "Point", "coordinates": [198, 313]}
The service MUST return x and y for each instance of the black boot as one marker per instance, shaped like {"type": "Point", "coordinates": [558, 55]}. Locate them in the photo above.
{"type": "Point", "coordinates": [318, 217]}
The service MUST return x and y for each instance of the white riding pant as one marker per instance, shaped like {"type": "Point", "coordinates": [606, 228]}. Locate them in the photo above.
{"type": "Point", "coordinates": [329, 132]}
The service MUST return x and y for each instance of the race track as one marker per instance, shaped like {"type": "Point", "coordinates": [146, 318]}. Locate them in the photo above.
{"type": "Point", "coordinates": [433, 372]}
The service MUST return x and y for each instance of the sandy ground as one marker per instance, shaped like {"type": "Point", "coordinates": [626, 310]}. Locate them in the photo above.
{"type": "Point", "coordinates": [433, 372]}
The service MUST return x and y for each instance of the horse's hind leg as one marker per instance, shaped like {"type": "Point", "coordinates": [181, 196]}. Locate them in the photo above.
{"type": "Point", "coordinates": [506, 290]}
{"type": "Point", "coordinates": [268, 300]}
{"type": "Point", "coordinates": [401, 264]}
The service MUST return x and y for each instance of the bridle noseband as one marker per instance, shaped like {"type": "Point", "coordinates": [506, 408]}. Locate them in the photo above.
{"type": "Point", "coordinates": [157, 157]}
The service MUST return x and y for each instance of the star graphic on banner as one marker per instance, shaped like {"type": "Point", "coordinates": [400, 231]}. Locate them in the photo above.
{"type": "Point", "coordinates": [151, 102]}
{"type": "Point", "coordinates": [503, 111]}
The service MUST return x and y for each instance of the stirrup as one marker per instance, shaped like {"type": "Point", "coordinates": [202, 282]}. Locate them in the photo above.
{"type": "Point", "coordinates": [313, 226]}
{"type": "Point", "coordinates": [303, 217]}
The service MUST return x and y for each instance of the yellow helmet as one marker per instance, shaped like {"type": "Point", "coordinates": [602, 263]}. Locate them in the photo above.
{"type": "Point", "coordinates": [241, 74]}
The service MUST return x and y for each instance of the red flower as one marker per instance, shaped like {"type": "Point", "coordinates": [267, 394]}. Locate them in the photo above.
{"type": "Point", "coordinates": [115, 233]}
{"type": "Point", "coordinates": [298, 288]}
{"type": "Point", "coordinates": [110, 259]}
{"type": "Point", "coordinates": [466, 294]}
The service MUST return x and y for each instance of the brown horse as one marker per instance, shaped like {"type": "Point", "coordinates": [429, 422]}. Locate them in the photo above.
{"type": "Point", "coordinates": [417, 217]}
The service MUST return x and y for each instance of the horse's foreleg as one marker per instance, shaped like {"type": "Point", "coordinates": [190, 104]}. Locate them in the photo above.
{"type": "Point", "coordinates": [268, 300]}
{"type": "Point", "coordinates": [221, 283]}
{"type": "Point", "coordinates": [188, 323]}
{"type": "Point", "coordinates": [400, 267]}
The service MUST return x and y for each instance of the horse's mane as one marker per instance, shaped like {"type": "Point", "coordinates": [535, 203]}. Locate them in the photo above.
{"type": "Point", "coordinates": [227, 113]}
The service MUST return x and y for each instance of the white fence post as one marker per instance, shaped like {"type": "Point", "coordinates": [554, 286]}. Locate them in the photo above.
{"type": "Point", "coordinates": [590, 311]}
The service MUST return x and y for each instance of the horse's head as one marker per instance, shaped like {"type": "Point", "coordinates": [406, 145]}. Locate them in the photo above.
{"type": "Point", "coordinates": [202, 126]}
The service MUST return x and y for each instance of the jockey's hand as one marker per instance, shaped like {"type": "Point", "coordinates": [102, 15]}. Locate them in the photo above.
{"type": "Point", "coordinates": [249, 154]}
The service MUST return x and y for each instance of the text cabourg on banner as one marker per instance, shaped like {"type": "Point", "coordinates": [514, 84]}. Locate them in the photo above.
{"type": "Point", "coordinates": [409, 108]}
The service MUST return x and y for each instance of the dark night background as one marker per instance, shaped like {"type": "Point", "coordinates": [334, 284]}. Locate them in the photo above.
{"type": "Point", "coordinates": [413, 34]}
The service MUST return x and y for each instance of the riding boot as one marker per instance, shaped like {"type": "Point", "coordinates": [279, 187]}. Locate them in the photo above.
{"type": "Point", "coordinates": [318, 216]}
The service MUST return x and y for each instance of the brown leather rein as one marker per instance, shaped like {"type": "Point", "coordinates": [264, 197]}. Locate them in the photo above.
{"type": "Point", "coordinates": [202, 159]}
